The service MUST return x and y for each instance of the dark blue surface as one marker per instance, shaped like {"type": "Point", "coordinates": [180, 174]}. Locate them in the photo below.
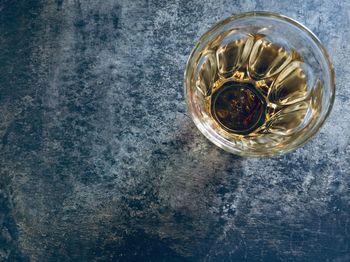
{"type": "Point", "coordinates": [99, 160]}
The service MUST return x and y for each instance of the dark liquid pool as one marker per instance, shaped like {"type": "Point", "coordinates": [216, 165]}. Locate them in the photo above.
{"type": "Point", "coordinates": [238, 107]}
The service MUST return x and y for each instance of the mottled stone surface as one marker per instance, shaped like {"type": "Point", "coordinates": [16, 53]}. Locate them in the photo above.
{"type": "Point", "coordinates": [99, 160]}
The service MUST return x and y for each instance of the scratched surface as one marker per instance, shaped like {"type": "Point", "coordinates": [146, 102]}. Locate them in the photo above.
{"type": "Point", "coordinates": [99, 160]}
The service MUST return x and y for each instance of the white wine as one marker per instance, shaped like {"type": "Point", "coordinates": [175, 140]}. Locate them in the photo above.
{"type": "Point", "coordinates": [255, 91]}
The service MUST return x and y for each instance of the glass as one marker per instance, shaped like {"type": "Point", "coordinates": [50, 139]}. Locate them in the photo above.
{"type": "Point", "coordinates": [259, 84]}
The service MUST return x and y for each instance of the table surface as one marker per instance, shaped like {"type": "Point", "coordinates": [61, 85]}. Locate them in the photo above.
{"type": "Point", "coordinates": [99, 160]}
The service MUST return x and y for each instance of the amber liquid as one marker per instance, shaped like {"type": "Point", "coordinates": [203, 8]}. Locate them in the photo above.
{"type": "Point", "coordinates": [256, 91]}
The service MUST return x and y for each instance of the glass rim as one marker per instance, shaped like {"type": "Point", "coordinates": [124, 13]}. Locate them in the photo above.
{"type": "Point", "coordinates": [277, 16]}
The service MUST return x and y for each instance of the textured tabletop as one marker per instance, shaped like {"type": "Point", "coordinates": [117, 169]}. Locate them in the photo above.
{"type": "Point", "coordinates": [99, 160]}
